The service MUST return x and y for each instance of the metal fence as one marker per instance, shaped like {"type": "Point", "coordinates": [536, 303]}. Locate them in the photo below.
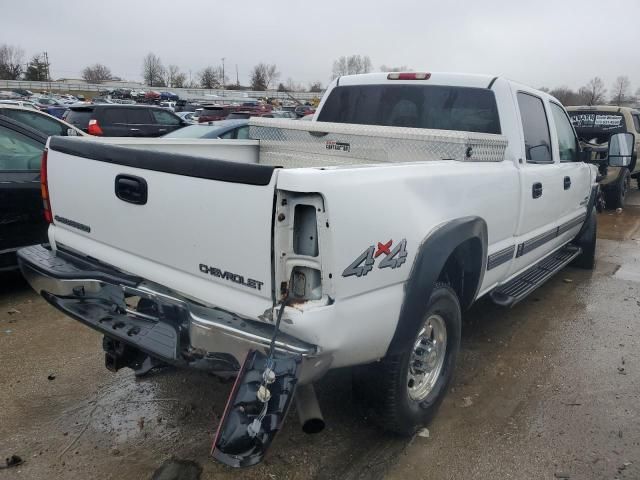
{"type": "Point", "coordinates": [68, 87]}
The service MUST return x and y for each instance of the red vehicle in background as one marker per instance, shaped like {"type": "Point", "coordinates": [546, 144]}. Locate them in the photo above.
{"type": "Point", "coordinates": [256, 107]}
{"type": "Point", "coordinates": [304, 110]}
{"type": "Point", "coordinates": [213, 113]}
{"type": "Point", "coordinates": [152, 95]}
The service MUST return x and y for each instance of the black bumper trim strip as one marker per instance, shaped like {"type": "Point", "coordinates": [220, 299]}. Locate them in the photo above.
{"type": "Point", "coordinates": [539, 240]}
{"type": "Point", "coordinates": [502, 256]}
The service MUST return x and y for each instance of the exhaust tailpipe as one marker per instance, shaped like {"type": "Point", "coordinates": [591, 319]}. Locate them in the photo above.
{"type": "Point", "coordinates": [308, 409]}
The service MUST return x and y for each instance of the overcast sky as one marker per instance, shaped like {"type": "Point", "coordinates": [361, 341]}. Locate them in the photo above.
{"type": "Point", "coordinates": [540, 43]}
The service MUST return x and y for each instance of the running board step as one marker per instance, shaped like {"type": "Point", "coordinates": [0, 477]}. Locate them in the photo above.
{"type": "Point", "coordinates": [510, 293]}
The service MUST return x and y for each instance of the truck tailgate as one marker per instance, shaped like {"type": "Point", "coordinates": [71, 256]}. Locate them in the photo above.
{"type": "Point", "coordinates": [199, 226]}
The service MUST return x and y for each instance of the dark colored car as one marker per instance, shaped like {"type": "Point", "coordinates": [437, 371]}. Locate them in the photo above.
{"type": "Point", "coordinates": [21, 218]}
{"type": "Point", "coordinates": [22, 92]}
{"type": "Point", "coordinates": [303, 110]}
{"type": "Point", "coordinates": [172, 97]}
{"type": "Point", "coordinates": [51, 106]}
{"type": "Point", "coordinates": [213, 113]}
{"type": "Point", "coordinates": [226, 129]}
{"type": "Point", "coordinates": [185, 106]}
{"type": "Point", "coordinates": [116, 120]}
{"type": "Point", "coordinates": [256, 107]}
{"type": "Point", "coordinates": [241, 115]}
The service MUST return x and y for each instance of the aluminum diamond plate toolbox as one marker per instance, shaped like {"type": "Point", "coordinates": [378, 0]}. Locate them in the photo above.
{"type": "Point", "coordinates": [295, 143]}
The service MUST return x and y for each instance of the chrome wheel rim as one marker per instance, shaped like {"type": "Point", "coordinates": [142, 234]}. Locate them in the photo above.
{"type": "Point", "coordinates": [427, 358]}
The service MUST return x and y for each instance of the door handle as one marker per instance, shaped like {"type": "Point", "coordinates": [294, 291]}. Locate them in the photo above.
{"type": "Point", "coordinates": [134, 129]}
{"type": "Point", "coordinates": [162, 130]}
{"type": "Point", "coordinates": [536, 190]}
{"type": "Point", "coordinates": [131, 189]}
{"type": "Point", "coordinates": [567, 183]}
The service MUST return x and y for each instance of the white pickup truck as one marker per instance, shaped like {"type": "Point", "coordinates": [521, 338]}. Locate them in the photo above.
{"type": "Point", "coordinates": [354, 239]}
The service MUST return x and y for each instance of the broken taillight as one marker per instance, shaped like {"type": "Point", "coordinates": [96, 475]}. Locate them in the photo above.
{"type": "Point", "coordinates": [44, 189]}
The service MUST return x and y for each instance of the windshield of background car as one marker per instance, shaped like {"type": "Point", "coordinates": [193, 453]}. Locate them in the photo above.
{"type": "Point", "coordinates": [417, 106]}
{"type": "Point", "coordinates": [594, 123]}
{"type": "Point", "coordinates": [214, 112]}
{"type": "Point", "coordinates": [18, 152]}
{"type": "Point", "coordinates": [193, 131]}
{"type": "Point", "coordinates": [36, 120]}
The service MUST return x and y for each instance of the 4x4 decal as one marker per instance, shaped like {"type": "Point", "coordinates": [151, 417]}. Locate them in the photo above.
{"type": "Point", "coordinates": [366, 260]}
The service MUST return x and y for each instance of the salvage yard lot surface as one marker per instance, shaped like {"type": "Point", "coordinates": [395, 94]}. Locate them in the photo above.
{"type": "Point", "coordinates": [548, 389]}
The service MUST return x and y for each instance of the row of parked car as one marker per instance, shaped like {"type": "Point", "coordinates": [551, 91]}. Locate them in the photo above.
{"type": "Point", "coordinates": [24, 131]}
{"type": "Point", "coordinates": [25, 128]}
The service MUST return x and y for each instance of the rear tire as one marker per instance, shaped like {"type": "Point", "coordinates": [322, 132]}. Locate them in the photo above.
{"type": "Point", "coordinates": [587, 242]}
{"type": "Point", "coordinates": [405, 390]}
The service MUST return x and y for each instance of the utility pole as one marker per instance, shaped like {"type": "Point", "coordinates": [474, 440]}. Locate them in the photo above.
{"type": "Point", "coordinates": [223, 74]}
{"type": "Point", "coordinates": [237, 77]}
{"type": "Point", "coordinates": [46, 63]}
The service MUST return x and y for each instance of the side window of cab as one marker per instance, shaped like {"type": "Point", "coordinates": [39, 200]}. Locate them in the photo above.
{"type": "Point", "coordinates": [537, 140]}
{"type": "Point", "coordinates": [567, 141]}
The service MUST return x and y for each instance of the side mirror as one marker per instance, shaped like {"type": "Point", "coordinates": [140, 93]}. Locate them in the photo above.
{"type": "Point", "coordinates": [621, 149]}
{"type": "Point", "coordinates": [71, 132]}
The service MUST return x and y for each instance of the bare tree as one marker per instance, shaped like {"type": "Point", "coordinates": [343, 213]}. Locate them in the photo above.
{"type": "Point", "coordinates": [11, 62]}
{"type": "Point", "coordinates": [170, 74]}
{"type": "Point", "coordinates": [263, 75]}
{"type": "Point", "coordinates": [152, 70]}
{"type": "Point", "coordinates": [209, 78]}
{"type": "Point", "coordinates": [292, 86]}
{"type": "Point", "coordinates": [352, 65]}
{"type": "Point", "coordinates": [403, 68]}
{"type": "Point", "coordinates": [340, 67]}
{"type": "Point", "coordinates": [179, 80]}
{"type": "Point", "coordinates": [315, 87]}
{"type": "Point", "coordinates": [38, 69]}
{"type": "Point", "coordinates": [565, 95]}
{"type": "Point", "coordinates": [96, 73]}
{"type": "Point", "coordinates": [271, 74]}
{"type": "Point", "coordinates": [620, 91]}
{"type": "Point", "coordinates": [593, 92]}
{"type": "Point", "coordinates": [258, 78]}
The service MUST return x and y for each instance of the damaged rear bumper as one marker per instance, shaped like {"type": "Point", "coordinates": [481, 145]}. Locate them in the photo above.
{"type": "Point", "coordinates": [171, 327]}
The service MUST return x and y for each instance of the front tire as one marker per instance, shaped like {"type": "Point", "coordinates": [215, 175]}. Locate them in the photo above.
{"type": "Point", "coordinates": [406, 389]}
{"type": "Point", "coordinates": [587, 242]}
{"type": "Point", "coordinates": [615, 197]}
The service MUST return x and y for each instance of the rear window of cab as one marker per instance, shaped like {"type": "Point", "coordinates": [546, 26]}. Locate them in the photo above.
{"type": "Point", "coordinates": [416, 106]}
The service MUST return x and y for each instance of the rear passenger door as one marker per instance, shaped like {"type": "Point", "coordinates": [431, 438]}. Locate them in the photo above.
{"type": "Point", "coordinates": [574, 174]}
{"type": "Point", "coordinates": [141, 123]}
{"type": "Point", "coordinates": [164, 122]}
{"type": "Point", "coordinates": [540, 180]}
{"type": "Point", "coordinates": [113, 122]}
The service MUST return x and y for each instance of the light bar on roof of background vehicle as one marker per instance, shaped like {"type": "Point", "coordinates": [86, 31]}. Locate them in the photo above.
{"type": "Point", "coordinates": [409, 76]}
